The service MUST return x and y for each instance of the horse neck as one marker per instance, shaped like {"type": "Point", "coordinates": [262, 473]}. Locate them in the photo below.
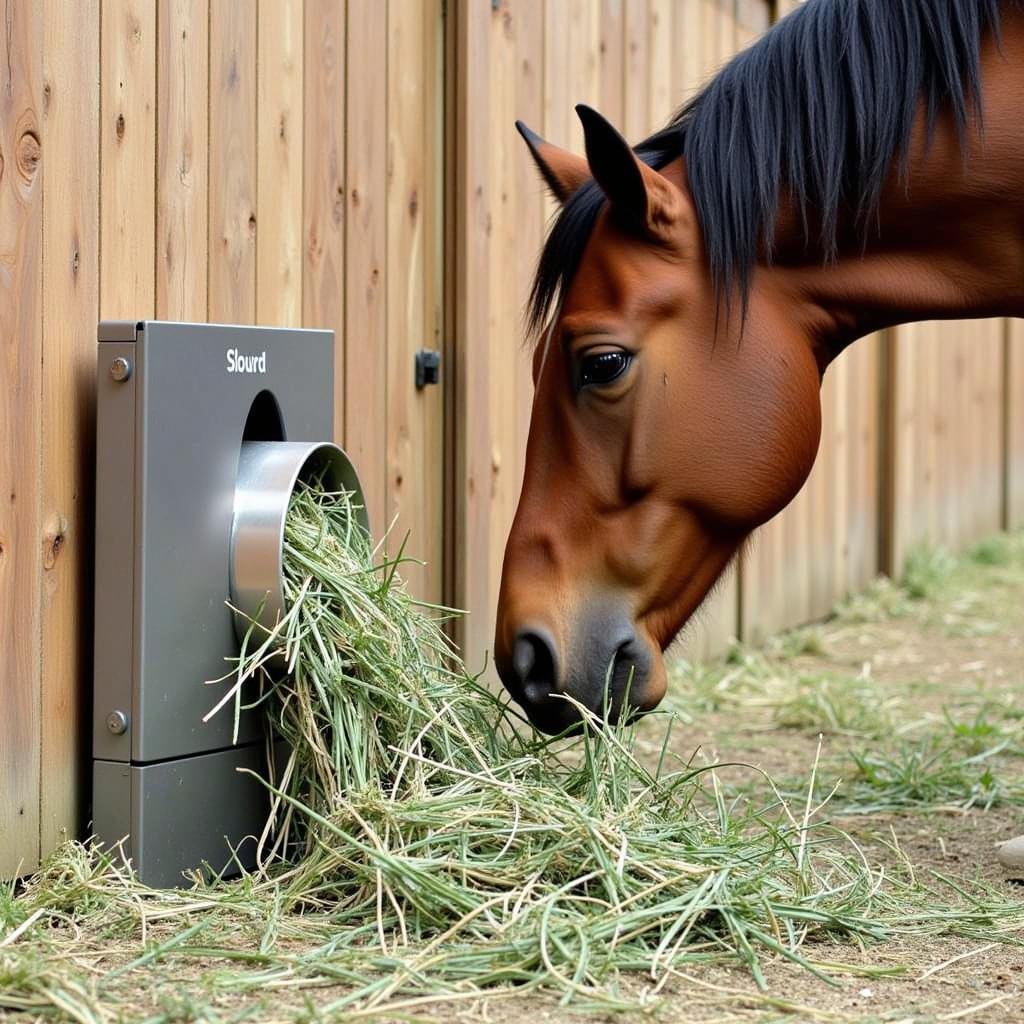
{"type": "Point", "coordinates": [948, 238]}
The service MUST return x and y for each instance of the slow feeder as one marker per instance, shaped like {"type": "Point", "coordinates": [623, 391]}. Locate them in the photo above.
{"type": "Point", "coordinates": [203, 432]}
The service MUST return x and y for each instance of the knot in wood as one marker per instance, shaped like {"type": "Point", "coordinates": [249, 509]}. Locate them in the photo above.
{"type": "Point", "coordinates": [29, 153]}
{"type": "Point", "coordinates": [53, 540]}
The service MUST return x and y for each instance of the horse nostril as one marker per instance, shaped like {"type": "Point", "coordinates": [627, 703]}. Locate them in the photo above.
{"type": "Point", "coordinates": [523, 657]}
{"type": "Point", "coordinates": [624, 660]}
{"type": "Point", "coordinates": [533, 661]}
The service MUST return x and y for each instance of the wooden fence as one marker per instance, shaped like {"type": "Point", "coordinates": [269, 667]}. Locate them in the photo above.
{"type": "Point", "coordinates": [352, 164]}
{"type": "Point", "coordinates": [225, 160]}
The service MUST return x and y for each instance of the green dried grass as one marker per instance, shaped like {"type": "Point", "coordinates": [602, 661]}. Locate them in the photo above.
{"type": "Point", "coordinates": [426, 845]}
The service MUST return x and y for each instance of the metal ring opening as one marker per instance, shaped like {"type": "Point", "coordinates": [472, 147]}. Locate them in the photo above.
{"type": "Point", "coordinates": [268, 472]}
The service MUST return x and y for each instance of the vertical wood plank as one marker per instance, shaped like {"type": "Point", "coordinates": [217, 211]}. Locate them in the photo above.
{"type": "Point", "coordinates": [323, 190]}
{"type": "Point", "coordinates": [989, 428]}
{"type": "Point", "coordinates": [611, 59]}
{"type": "Point", "coordinates": [21, 205]}
{"type": "Point", "coordinates": [1014, 424]}
{"type": "Point", "coordinates": [688, 36]}
{"type": "Point", "coordinates": [279, 135]}
{"type": "Point", "coordinates": [821, 555]}
{"type": "Point", "coordinates": [182, 136]}
{"type": "Point", "coordinates": [865, 493]}
{"type": "Point", "coordinates": [951, 448]}
{"type": "Point", "coordinates": [992, 431]}
{"type": "Point", "coordinates": [366, 326]}
{"type": "Point", "coordinates": [233, 227]}
{"type": "Point", "coordinates": [900, 455]}
{"type": "Point", "coordinates": [519, 72]}
{"type": "Point", "coordinates": [433, 412]}
{"type": "Point", "coordinates": [127, 158]}
{"type": "Point", "coordinates": [475, 577]}
{"type": "Point", "coordinates": [503, 483]}
{"type": "Point", "coordinates": [560, 123]}
{"type": "Point", "coordinates": [580, 55]}
{"type": "Point", "coordinates": [637, 85]}
{"type": "Point", "coordinates": [753, 17]}
{"type": "Point", "coordinates": [414, 417]}
{"type": "Point", "coordinates": [662, 97]}
{"type": "Point", "coordinates": [519, 64]}
{"type": "Point", "coordinates": [527, 209]}
{"type": "Point", "coordinates": [71, 62]}
{"type": "Point", "coordinates": [948, 450]}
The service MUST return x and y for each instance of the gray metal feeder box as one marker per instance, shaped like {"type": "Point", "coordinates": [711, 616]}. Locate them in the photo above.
{"type": "Point", "coordinates": [203, 431]}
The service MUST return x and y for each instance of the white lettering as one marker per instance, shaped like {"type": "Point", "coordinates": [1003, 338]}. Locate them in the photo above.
{"type": "Point", "coordinates": [239, 362]}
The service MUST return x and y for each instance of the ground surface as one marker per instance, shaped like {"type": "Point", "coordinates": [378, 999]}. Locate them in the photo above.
{"type": "Point", "coordinates": [915, 689]}
{"type": "Point", "coordinates": [920, 682]}
{"type": "Point", "coordinates": [917, 694]}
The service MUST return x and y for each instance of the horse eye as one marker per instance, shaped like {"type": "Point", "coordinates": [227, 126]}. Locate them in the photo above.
{"type": "Point", "coordinates": [602, 368]}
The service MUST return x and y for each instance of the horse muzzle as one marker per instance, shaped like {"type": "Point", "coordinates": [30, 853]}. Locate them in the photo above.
{"type": "Point", "coordinates": [608, 670]}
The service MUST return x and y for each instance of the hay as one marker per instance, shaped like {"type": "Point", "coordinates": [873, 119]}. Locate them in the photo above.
{"type": "Point", "coordinates": [426, 844]}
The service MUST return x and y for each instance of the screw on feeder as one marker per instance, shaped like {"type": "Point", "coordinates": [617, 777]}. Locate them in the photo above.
{"type": "Point", "coordinates": [121, 369]}
{"type": "Point", "coordinates": [117, 723]}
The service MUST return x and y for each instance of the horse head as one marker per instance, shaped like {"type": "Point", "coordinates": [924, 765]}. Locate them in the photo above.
{"type": "Point", "coordinates": [667, 424]}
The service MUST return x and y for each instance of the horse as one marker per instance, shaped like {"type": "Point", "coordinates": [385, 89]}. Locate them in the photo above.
{"type": "Point", "coordinates": [859, 166]}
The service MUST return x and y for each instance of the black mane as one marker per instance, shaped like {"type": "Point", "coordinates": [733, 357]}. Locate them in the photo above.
{"type": "Point", "coordinates": [819, 107]}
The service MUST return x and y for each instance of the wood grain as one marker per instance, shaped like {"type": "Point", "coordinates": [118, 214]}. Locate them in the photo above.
{"type": "Point", "coordinates": [279, 162]}
{"type": "Point", "coordinates": [182, 154]}
{"type": "Point", "coordinates": [1014, 424]}
{"type": "Point", "coordinates": [127, 159]}
{"type": "Point", "coordinates": [233, 181]}
{"type": "Point", "coordinates": [638, 71]}
{"type": "Point", "coordinates": [517, 82]}
{"type": "Point", "coordinates": [662, 97]}
{"type": "Point", "coordinates": [21, 350]}
{"type": "Point", "coordinates": [414, 434]}
{"type": "Point", "coordinates": [366, 252]}
{"type": "Point", "coordinates": [560, 124]}
{"type": "Point", "coordinates": [71, 265]}
{"type": "Point", "coordinates": [323, 189]}
{"type": "Point", "coordinates": [948, 449]}
{"type": "Point", "coordinates": [611, 60]}
{"type": "Point", "coordinates": [475, 576]}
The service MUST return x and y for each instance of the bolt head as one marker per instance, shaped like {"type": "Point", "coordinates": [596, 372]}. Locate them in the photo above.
{"type": "Point", "coordinates": [121, 369]}
{"type": "Point", "coordinates": [117, 723]}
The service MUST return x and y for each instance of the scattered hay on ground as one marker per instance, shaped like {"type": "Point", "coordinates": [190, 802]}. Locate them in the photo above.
{"type": "Point", "coordinates": [426, 845]}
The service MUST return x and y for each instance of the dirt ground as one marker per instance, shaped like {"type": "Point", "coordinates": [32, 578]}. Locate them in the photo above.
{"type": "Point", "coordinates": [937, 665]}
{"type": "Point", "coordinates": [915, 694]}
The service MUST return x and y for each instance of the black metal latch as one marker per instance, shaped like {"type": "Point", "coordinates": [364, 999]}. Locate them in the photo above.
{"type": "Point", "coordinates": [428, 367]}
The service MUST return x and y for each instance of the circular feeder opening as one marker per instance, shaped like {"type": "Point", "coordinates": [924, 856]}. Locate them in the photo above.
{"type": "Point", "coordinates": [268, 473]}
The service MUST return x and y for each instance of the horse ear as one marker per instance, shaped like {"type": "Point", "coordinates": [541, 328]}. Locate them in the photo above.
{"type": "Point", "coordinates": [647, 198]}
{"type": "Point", "coordinates": [563, 171]}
